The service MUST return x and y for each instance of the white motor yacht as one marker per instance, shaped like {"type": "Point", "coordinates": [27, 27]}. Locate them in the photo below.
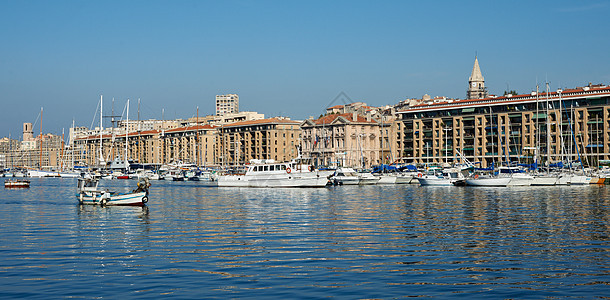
{"type": "Point", "coordinates": [268, 173]}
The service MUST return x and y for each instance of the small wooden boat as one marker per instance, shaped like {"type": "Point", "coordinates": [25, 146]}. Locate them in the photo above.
{"type": "Point", "coordinates": [89, 193]}
{"type": "Point", "coordinates": [16, 184]}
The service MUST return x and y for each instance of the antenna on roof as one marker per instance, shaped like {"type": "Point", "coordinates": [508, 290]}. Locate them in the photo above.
{"type": "Point", "coordinates": [343, 97]}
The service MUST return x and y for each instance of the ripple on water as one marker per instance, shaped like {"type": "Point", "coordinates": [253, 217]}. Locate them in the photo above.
{"type": "Point", "coordinates": [355, 241]}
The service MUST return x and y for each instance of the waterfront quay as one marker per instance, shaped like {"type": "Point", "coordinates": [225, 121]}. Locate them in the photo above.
{"type": "Point", "coordinates": [543, 128]}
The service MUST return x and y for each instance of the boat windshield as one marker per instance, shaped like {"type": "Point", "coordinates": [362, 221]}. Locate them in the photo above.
{"type": "Point", "coordinates": [267, 168]}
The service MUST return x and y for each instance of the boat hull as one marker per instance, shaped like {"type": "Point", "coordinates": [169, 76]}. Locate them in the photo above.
{"type": "Point", "coordinates": [368, 181]}
{"type": "Point", "coordinates": [273, 181]}
{"type": "Point", "coordinates": [544, 180]}
{"type": "Point", "coordinates": [434, 181]}
{"type": "Point", "coordinates": [521, 180]}
{"type": "Point", "coordinates": [130, 199]}
{"type": "Point", "coordinates": [387, 179]}
{"type": "Point", "coordinates": [346, 180]}
{"type": "Point", "coordinates": [404, 179]}
{"type": "Point", "coordinates": [500, 182]}
{"type": "Point", "coordinates": [579, 180]}
{"type": "Point", "coordinates": [597, 180]}
{"type": "Point", "coordinates": [17, 184]}
{"type": "Point", "coordinates": [41, 174]}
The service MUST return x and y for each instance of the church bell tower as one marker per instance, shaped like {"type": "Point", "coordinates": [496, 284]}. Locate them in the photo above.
{"type": "Point", "coordinates": [476, 83]}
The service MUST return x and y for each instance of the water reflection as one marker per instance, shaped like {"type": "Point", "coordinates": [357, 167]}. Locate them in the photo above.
{"type": "Point", "coordinates": [194, 241]}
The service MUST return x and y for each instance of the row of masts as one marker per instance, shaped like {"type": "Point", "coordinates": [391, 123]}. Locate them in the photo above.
{"type": "Point", "coordinates": [560, 155]}
{"type": "Point", "coordinates": [102, 161]}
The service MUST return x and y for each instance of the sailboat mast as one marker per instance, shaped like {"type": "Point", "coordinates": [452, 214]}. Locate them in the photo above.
{"type": "Point", "coordinates": [40, 153]}
{"type": "Point", "coordinates": [111, 153]}
{"type": "Point", "coordinates": [491, 125]}
{"type": "Point", "coordinates": [560, 127]}
{"type": "Point", "coordinates": [197, 138]}
{"type": "Point", "coordinates": [162, 136]}
{"type": "Point", "coordinates": [548, 131]}
{"type": "Point", "coordinates": [101, 155]}
{"type": "Point", "coordinates": [573, 142]}
{"type": "Point", "coordinates": [126, 137]}
{"type": "Point", "coordinates": [72, 143]}
{"type": "Point", "coordinates": [10, 150]}
{"type": "Point", "coordinates": [139, 136]}
{"type": "Point", "coordinates": [537, 128]}
{"type": "Point", "coordinates": [61, 155]}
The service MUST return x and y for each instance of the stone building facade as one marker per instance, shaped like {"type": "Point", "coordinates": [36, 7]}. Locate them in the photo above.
{"type": "Point", "coordinates": [274, 138]}
{"type": "Point", "coordinates": [189, 144]}
{"type": "Point", "coordinates": [347, 139]}
{"type": "Point", "coordinates": [565, 125]}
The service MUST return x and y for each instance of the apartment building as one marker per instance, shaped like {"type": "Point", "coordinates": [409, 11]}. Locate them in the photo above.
{"type": "Point", "coordinates": [274, 138]}
{"type": "Point", "coordinates": [189, 144]}
{"type": "Point", "coordinates": [564, 125]}
{"type": "Point", "coordinates": [227, 104]}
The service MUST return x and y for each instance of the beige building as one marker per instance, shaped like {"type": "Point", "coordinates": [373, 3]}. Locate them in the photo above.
{"type": "Point", "coordinates": [228, 118]}
{"type": "Point", "coordinates": [274, 138]}
{"type": "Point", "coordinates": [147, 125]}
{"type": "Point", "coordinates": [204, 145]}
{"type": "Point", "coordinates": [8, 146]}
{"type": "Point", "coordinates": [44, 152]}
{"type": "Point", "coordinates": [188, 144]}
{"type": "Point", "coordinates": [561, 126]}
{"type": "Point", "coordinates": [227, 104]}
{"type": "Point", "coordinates": [347, 139]}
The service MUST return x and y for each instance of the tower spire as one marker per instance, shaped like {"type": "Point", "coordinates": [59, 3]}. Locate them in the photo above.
{"type": "Point", "coordinates": [476, 74]}
{"type": "Point", "coordinates": [476, 82]}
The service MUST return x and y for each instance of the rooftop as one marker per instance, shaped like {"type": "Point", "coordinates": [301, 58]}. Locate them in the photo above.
{"type": "Point", "coordinates": [579, 92]}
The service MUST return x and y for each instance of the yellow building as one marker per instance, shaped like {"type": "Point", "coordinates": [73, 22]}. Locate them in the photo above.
{"type": "Point", "coordinates": [561, 126]}
{"type": "Point", "coordinates": [189, 144]}
{"type": "Point", "coordinates": [274, 138]}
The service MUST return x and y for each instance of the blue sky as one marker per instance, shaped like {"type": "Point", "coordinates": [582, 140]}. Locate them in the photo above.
{"type": "Point", "coordinates": [289, 58]}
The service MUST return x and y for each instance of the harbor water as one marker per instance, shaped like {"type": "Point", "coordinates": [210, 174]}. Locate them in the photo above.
{"type": "Point", "coordinates": [390, 241]}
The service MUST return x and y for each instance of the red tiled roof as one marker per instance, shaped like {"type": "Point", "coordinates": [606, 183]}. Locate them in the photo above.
{"type": "Point", "coordinates": [505, 99]}
{"type": "Point", "coordinates": [190, 128]}
{"type": "Point", "coordinates": [150, 132]}
{"type": "Point", "coordinates": [263, 121]}
{"type": "Point", "coordinates": [348, 116]}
